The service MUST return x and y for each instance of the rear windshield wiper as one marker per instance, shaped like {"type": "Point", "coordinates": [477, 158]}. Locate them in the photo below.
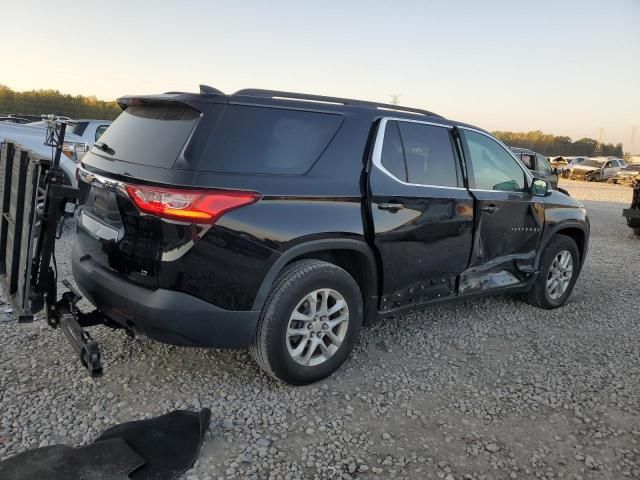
{"type": "Point", "coordinates": [105, 148]}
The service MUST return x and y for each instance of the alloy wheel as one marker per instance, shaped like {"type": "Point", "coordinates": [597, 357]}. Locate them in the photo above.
{"type": "Point", "coordinates": [317, 327]}
{"type": "Point", "coordinates": [559, 275]}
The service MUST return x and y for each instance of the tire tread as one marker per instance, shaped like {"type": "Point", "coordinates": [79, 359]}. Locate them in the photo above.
{"type": "Point", "coordinates": [290, 275]}
{"type": "Point", "coordinates": [537, 294]}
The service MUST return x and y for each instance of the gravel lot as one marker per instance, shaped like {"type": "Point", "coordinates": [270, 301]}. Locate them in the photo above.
{"type": "Point", "coordinates": [485, 389]}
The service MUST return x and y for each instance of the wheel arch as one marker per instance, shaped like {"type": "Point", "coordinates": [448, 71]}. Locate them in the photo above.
{"type": "Point", "coordinates": [575, 230]}
{"type": "Point", "coordinates": [354, 256]}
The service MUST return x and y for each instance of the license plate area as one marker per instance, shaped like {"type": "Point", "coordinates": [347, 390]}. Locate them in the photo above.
{"type": "Point", "coordinates": [100, 214]}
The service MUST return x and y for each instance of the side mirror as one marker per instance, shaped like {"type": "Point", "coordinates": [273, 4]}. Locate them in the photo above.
{"type": "Point", "coordinates": [540, 187]}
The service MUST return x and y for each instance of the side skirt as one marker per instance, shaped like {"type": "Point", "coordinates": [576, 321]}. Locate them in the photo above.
{"type": "Point", "coordinates": [521, 287]}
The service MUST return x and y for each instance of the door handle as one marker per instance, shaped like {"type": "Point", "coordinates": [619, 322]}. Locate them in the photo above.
{"type": "Point", "coordinates": [490, 209]}
{"type": "Point", "coordinates": [392, 206]}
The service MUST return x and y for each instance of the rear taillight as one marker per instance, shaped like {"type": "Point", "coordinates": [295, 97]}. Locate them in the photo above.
{"type": "Point", "coordinates": [198, 206]}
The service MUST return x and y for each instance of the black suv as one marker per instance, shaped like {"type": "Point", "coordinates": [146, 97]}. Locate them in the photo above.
{"type": "Point", "coordinates": [283, 222]}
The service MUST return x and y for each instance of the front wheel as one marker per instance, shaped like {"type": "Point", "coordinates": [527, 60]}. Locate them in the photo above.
{"type": "Point", "coordinates": [309, 323]}
{"type": "Point", "coordinates": [559, 267]}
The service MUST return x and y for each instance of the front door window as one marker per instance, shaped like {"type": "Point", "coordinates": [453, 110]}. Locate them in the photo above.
{"type": "Point", "coordinates": [492, 167]}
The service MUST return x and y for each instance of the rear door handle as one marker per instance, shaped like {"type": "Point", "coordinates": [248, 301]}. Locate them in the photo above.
{"type": "Point", "coordinates": [392, 206]}
{"type": "Point", "coordinates": [491, 208]}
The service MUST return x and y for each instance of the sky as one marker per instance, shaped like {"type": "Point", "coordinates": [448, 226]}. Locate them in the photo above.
{"type": "Point", "coordinates": [565, 67]}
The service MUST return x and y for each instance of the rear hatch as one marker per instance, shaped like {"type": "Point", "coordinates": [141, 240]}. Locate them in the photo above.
{"type": "Point", "coordinates": [145, 141]}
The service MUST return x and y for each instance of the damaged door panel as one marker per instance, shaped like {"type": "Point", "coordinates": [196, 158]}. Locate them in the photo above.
{"type": "Point", "coordinates": [508, 218]}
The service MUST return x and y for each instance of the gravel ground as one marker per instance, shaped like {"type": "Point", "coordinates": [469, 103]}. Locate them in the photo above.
{"type": "Point", "coordinates": [485, 389]}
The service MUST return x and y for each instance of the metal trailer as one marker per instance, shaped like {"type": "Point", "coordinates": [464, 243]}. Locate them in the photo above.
{"type": "Point", "coordinates": [33, 203]}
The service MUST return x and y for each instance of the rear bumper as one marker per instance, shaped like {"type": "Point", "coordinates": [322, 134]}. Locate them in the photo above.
{"type": "Point", "coordinates": [167, 316]}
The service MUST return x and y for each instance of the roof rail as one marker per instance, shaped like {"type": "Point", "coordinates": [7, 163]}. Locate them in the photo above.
{"type": "Point", "coordinates": [256, 92]}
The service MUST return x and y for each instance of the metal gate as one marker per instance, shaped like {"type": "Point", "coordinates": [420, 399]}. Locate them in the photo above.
{"type": "Point", "coordinates": [21, 173]}
{"type": "Point", "coordinates": [33, 202]}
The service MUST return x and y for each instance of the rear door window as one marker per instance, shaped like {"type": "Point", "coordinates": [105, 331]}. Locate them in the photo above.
{"type": "Point", "coordinates": [149, 134]}
{"type": "Point", "coordinates": [393, 152]}
{"type": "Point", "coordinates": [263, 140]}
{"type": "Point", "coordinates": [429, 154]}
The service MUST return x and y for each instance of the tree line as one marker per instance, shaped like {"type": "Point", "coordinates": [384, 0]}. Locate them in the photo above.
{"type": "Point", "coordinates": [552, 145]}
{"type": "Point", "coordinates": [39, 102]}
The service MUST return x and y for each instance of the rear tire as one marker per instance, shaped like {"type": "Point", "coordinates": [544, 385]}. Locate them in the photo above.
{"type": "Point", "coordinates": [555, 283]}
{"type": "Point", "coordinates": [300, 341]}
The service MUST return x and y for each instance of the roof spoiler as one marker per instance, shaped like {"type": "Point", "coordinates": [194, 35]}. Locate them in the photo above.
{"type": "Point", "coordinates": [128, 101]}
{"type": "Point", "coordinates": [208, 90]}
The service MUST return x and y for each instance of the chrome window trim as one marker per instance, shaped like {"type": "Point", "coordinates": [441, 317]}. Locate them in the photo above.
{"type": "Point", "coordinates": [377, 151]}
{"type": "Point", "coordinates": [527, 172]}
{"type": "Point", "coordinates": [494, 191]}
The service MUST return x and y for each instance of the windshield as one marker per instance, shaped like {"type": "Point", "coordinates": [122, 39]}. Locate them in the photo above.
{"type": "Point", "coordinates": [591, 163]}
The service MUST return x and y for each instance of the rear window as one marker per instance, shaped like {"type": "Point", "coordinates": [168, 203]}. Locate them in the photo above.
{"type": "Point", "coordinates": [149, 134]}
{"type": "Point", "coordinates": [78, 128]}
{"type": "Point", "coordinates": [269, 140]}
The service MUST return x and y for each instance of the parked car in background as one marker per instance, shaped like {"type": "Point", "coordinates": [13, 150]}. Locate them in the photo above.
{"type": "Point", "coordinates": [250, 220]}
{"type": "Point", "coordinates": [90, 130]}
{"type": "Point", "coordinates": [12, 119]}
{"type": "Point", "coordinates": [626, 175]}
{"type": "Point", "coordinates": [587, 167]}
{"type": "Point", "coordinates": [573, 162]}
{"type": "Point", "coordinates": [33, 138]}
{"type": "Point", "coordinates": [539, 164]}
{"type": "Point", "coordinates": [609, 169]}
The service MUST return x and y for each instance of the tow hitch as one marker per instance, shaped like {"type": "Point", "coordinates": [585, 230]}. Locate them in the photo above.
{"type": "Point", "coordinates": [64, 314]}
{"type": "Point", "coordinates": [34, 202]}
